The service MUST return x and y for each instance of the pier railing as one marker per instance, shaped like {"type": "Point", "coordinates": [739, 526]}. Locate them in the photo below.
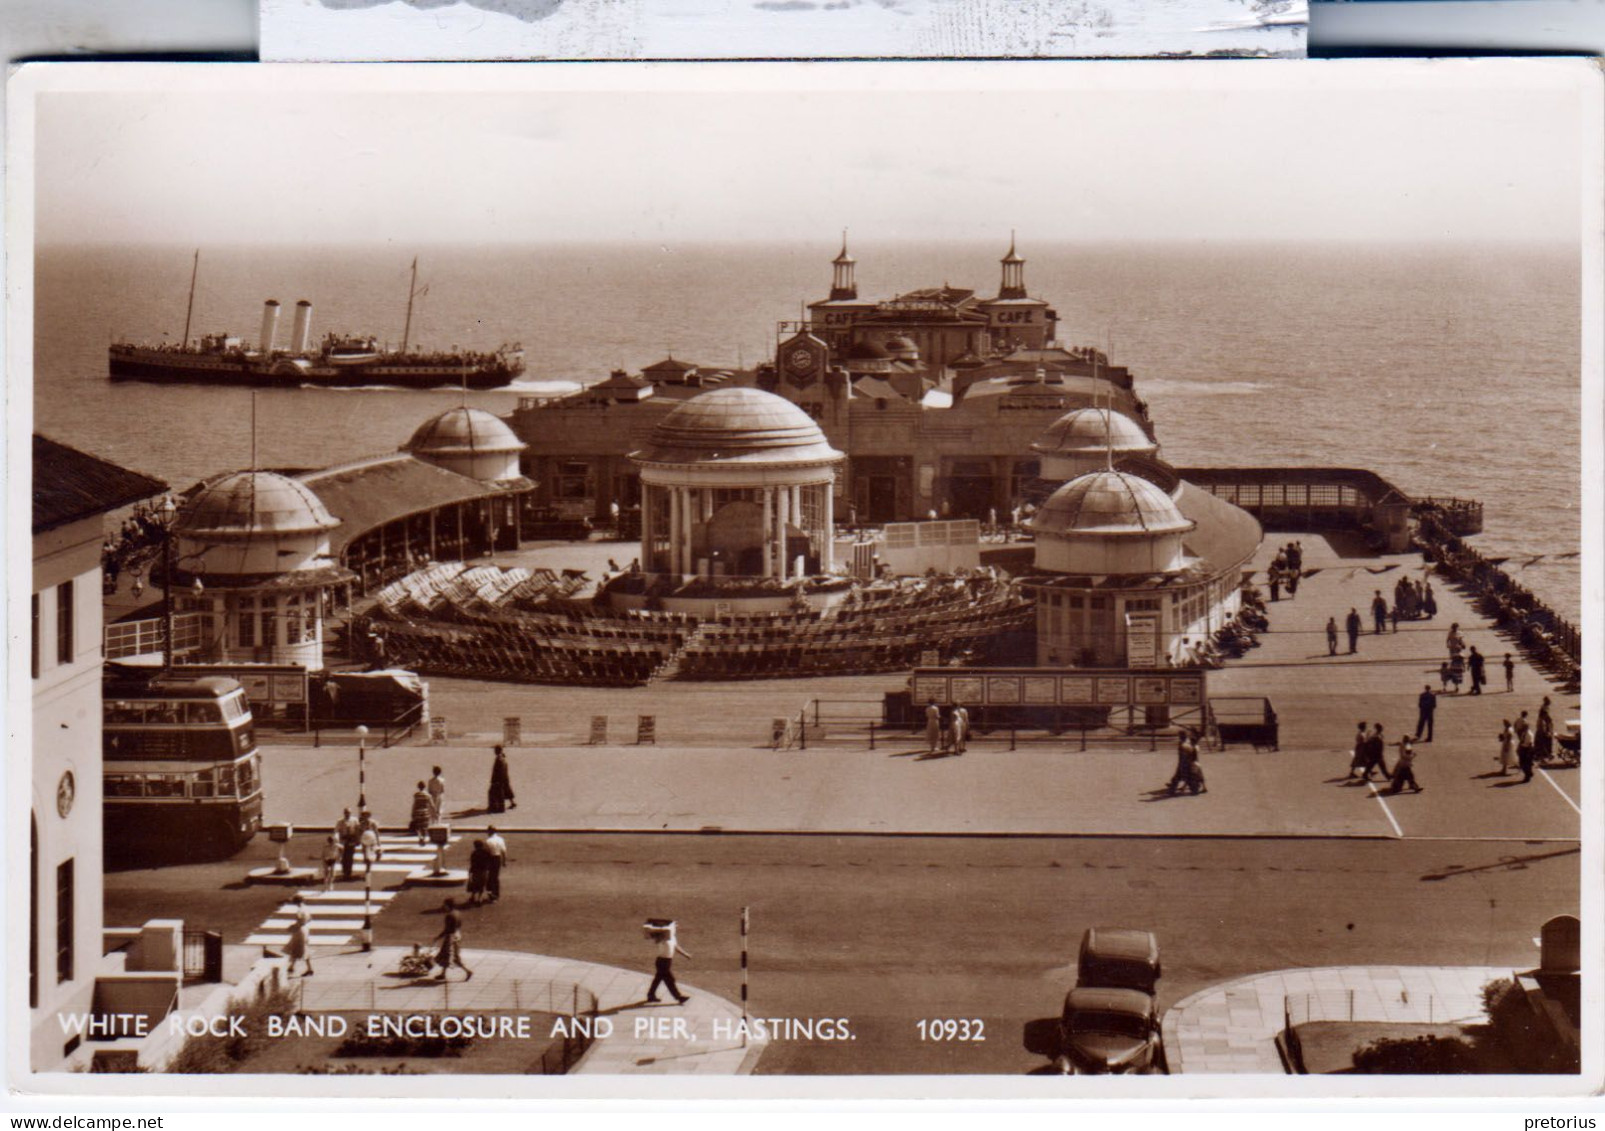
{"type": "Point", "coordinates": [1551, 641]}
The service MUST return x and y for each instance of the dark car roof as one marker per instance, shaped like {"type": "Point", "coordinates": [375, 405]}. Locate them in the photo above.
{"type": "Point", "coordinates": [1109, 1000]}
{"type": "Point", "coordinates": [1121, 942]}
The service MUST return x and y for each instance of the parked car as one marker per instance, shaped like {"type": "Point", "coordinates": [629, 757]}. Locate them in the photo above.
{"type": "Point", "coordinates": [1119, 958]}
{"type": "Point", "coordinates": [1106, 1031]}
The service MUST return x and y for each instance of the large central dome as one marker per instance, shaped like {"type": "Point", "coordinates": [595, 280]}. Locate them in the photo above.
{"type": "Point", "coordinates": [463, 431]}
{"type": "Point", "coordinates": [739, 425]}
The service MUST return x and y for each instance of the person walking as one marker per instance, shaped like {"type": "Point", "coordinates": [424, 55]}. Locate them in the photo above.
{"type": "Point", "coordinates": [1446, 675]}
{"type": "Point", "coordinates": [368, 840]}
{"type": "Point", "coordinates": [961, 728]}
{"type": "Point", "coordinates": [437, 795]}
{"type": "Point", "coordinates": [1362, 750]}
{"type": "Point", "coordinates": [1331, 636]}
{"type": "Point", "coordinates": [299, 948]}
{"type": "Point", "coordinates": [1292, 582]}
{"type": "Point", "coordinates": [1478, 666]}
{"type": "Point", "coordinates": [1275, 579]}
{"type": "Point", "coordinates": [451, 944]}
{"type": "Point", "coordinates": [349, 830]}
{"type": "Point", "coordinates": [1507, 748]}
{"type": "Point", "coordinates": [1376, 754]}
{"type": "Point", "coordinates": [1427, 707]}
{"type": "Point", "coordinates": [497, 847]}
{"type": "Point", "coordinates": [1544, 734]}
{"type": "Point", "coordinates": [668, 945]}
{"type": "Point", "coordinates": [1524, 747]}
{"type": "Point", "coordinates": [1428, 602]}
{"type": "Point", "coordinates": [501, 785]}
{"type": "Point", "coordinates": [933, 727]}
{"type": "Point", "coordinates": [1510, 674]}
{"type": "Point", "coordinates": [478, 872]}
{"type": "Point", "coordinates": [422, 810]}
{"type": "Point", "coordinates": [1352, 623]}
{"type": "Point", "coordinates": [1379, 613]}
{"type": "Point", "coordinates": [331, 860]}
{"type": "Point", "coordinates": [1455, 642]}
{"type": "Point", "coordinates": [1404, 769]}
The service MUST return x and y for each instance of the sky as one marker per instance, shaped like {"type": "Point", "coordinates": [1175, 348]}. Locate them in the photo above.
{"type": "Point", "coordinates": [677, 153]}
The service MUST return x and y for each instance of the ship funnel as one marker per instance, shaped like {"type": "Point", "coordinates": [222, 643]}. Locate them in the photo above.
{"type": "Point", "coordinates": [270, 326]}
{"type": "Point", "coordinates": [301, 335]}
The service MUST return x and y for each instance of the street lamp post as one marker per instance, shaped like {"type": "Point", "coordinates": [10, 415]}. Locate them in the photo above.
{"type": "Point", "coordinates": [167, 510]}
{"type": "Point", "coordinates": [362, 768]}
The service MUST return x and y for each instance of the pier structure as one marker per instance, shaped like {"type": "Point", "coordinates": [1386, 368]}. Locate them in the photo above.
{"type": "Point", "coordinates": [934, 395]}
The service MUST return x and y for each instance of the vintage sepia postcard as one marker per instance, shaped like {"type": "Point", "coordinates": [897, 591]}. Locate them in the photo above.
{"type": "Point", "coordinates": [989, 580]}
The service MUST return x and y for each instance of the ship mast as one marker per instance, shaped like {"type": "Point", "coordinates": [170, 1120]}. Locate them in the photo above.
{"type": "Point", "coordinates": [189, 313]}
{"type": "Point", "coordinates": [412, 289]}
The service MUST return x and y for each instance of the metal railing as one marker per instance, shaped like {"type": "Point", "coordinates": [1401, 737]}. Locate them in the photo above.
{"type": "Point", "coordinates": [390, 730]}
{"type": "Point", "coordinates": [1347, 1005]}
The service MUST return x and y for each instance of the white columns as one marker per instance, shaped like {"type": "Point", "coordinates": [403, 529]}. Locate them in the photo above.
{"type": "Point", "coordinates": [827, 555]}
{"type": "Point", "coordinates": [784, 517]}
{"type": "Point", "coordinates": [687, 518]}
{"type": "Point", "coordinates": [647, 496]}
{"type": "Point", "coordinates": [674, 529]}
{"type": "Point", "coordinates": [768, 532]}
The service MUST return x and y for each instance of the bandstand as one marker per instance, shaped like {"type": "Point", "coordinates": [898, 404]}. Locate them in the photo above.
{"type": "Point", "coordinates": [737, 482]}
{"type": "Point", "coordinates": [258, 543]}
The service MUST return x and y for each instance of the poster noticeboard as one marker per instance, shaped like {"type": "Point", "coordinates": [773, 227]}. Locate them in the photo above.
{"type": "Point", "coordinates": [1003, 690]}
{"type": "Point", "coordinates": [927, 688]}
{"type": "Point", "coordinates": [1142, 640]}
{"type": "Point", "coordinates": [512, 731]}
{"type": "Point", "coordinates": [1113, 689]}
{"type": "Point", "coordinates": [1187, 690]}
{"type": "Point", "coordinates": [646, 730]}
{"type": "Point", "coordinates": [437, 729]}
{"type": "Point", "coordinates": [1038, 690]}
{"type": "Point", "coordinates": [1075, 690]}
{"type": "Point", "coordinates": [1050, 687]}
{"type": "Point", "coordinates": [1149, 690]}
{"type": "Point", "coordinates": [598, 730]}
{"type": "Point", "coordinates": [968, 689]}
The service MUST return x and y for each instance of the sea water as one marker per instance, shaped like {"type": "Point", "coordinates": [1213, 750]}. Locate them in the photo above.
{"type": "Point", "coordinates": [1448, 369]}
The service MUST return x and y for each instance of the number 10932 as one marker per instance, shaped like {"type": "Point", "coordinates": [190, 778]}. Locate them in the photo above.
{"type": "Point", "coordinates": [950, 1029]}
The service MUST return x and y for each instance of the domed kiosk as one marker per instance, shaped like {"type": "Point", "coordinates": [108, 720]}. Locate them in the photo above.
{"type": "Point", "coordinates": [737, 482]}
{"type": "Point", "coordinates": [471, 442]}
{"type": "Point", "coordinates": [254, 547]}
{"type": "Point", "coordinates": [1084, 439]}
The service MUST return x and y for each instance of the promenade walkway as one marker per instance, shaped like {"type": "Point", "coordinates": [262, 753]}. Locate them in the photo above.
{"type": "Point", "coordinates": [711, 767]}
{"type": "Point", "coordinates": [1232, 1027]}
{"type": "Point", "coordinates": [699, 1038]}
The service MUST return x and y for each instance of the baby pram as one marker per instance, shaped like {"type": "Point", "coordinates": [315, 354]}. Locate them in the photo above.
{"type": "Point", "coordinates": [419, 964]}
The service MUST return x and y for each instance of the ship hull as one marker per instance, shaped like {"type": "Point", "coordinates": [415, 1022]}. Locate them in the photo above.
{"type": "Point", "coordinates": [164, 367]}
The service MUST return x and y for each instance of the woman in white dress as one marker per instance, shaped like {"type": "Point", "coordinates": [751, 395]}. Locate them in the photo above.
{"type": "Point", "coordinates": [1507, 749]}
{"type": "Point", "coordinates": [300, 948]}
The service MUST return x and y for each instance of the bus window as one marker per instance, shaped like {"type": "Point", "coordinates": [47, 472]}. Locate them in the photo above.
{"type": "Point", "coordinates": [202, 714]}
{"type": "Point", "coordinates": [164, 785]}
{"type": "Point", "coordinates": [203, 784]}
{"type": "Point", "coordinates": [225, 781]}
{"type": "Point", "coordinates": [233, 705]}
{"type": "Point", "coordinates": [124, 785]}
{"type": "Point", "coordinates": [246, 771]}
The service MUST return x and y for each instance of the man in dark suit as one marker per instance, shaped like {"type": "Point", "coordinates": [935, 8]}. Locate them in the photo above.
{"type": "Point", "coordinates": [1478, 674]}
{"type": "Point", "coordinates": [1428, 704]}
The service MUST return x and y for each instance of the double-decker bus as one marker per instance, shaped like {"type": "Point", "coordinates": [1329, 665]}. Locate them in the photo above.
{"type": "Point", "coordinates": [180, 763]}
